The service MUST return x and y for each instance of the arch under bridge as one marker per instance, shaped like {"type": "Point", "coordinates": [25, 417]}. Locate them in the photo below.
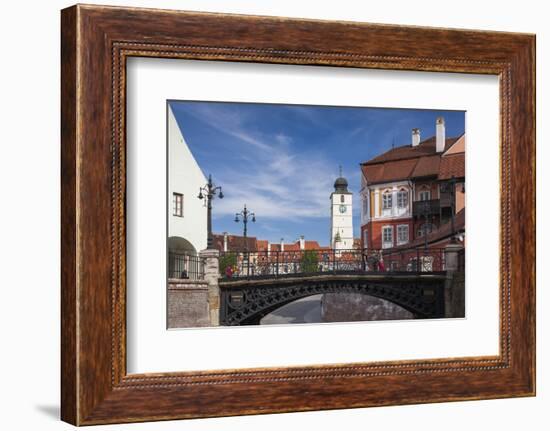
{"type": "Point", "coordinates": [247, 301]}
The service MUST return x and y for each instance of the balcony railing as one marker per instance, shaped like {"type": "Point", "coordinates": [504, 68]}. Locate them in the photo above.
{"type": "Point", "coordinates": [185, 266]}
{"type": "Point", "coordinates": [428, 207]}
{"type": "Point", "coordinates": [287, 263]}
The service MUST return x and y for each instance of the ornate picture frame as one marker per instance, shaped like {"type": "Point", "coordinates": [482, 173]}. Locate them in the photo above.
{"type": "Point", "coordinates": [96, 41]}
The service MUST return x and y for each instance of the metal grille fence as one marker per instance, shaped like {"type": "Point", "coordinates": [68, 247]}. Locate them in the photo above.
{"type": "Point", "coordinates": [185, 266]}
{"type": "Point", "coordinates": [283, 263]}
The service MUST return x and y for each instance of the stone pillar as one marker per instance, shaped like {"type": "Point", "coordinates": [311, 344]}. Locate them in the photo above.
{"type": "Point", "coordinates": [211, 276]}
{"type": "Point", "coordinates": [451, 266]}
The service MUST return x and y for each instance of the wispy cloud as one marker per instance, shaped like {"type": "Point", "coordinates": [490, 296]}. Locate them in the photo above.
{"type": "Point", "coordinates": [282, 160]}
{"type": "Point", "coordinates": [282, 183]}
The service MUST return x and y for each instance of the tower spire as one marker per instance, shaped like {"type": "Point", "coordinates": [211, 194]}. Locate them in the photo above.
{"type": "Point", "coordinates": [340, 168]}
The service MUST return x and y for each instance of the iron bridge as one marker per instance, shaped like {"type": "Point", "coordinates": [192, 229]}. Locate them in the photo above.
{"type": "Point", "coordinates": [247, 301]}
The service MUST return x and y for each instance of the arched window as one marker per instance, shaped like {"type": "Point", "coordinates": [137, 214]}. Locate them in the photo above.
{"type": "Point", "coordinates": [342, 198]}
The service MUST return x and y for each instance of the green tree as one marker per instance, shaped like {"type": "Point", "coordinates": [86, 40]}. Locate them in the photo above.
{"type": "Point", "coordinates": [228, 259]}
{"type": "Point", "coordinates": [309, 261]}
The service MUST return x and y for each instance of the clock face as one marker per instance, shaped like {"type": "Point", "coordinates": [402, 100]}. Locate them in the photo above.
{"type": "Point", "coordinates": [342, 209]}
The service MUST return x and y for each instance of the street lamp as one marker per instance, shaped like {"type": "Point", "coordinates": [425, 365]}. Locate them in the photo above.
{"type": "Point", "coordinates": [210, 192]}
{"type": "Point", "coordinates": [245, 214]}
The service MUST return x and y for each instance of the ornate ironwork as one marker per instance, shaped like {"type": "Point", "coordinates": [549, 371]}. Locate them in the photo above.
{"type": "Point", "coordinates": [273, 264]}
{"type": "Point", "coordinates": [427, 207]}
{"type": "Point", "coordinates": [185, 266]}
{"type": "Point", "coordinates": [246, 302]}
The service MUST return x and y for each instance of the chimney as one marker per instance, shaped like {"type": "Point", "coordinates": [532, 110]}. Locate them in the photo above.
{"type": "Point", "coordinates": [225, 241]}
{"type": "Point", "coordinates": [282, 244]}
{"type": "Point", "coordinates": [302, 243]}
{"type": "Point", "coordinates": [439, 134]}
{"type": "Point", "coordinates": [415, 137]}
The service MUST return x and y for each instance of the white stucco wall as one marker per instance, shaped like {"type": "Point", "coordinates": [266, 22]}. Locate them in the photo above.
{"type": "Point", "coordinates": [383, 214]}
{"type": "Point", "coordinates": [185, 177]}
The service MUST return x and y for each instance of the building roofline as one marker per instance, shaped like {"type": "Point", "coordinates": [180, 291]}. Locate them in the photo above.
{"type": "Point", "coordinates": [456, 138]}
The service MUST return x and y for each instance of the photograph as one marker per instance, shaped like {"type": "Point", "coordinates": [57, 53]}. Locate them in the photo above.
{"type": "Point", "coordinates": [251, 215]}
{"type": "Point", "coordinates": [291, 214]}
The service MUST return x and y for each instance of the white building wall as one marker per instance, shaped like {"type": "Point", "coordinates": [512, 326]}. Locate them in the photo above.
{"type": "Point", "coordinates": [185, 177]}
{"type": "Point", "coordinates": [394, 212]}
{"type": "Point", "coordinates": [342, 223]}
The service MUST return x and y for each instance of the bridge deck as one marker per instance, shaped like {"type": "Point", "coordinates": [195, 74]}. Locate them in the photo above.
{"type": "Point", "coordinates": [344, 276]}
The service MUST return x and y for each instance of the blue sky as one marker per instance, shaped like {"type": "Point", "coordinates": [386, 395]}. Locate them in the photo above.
{"type": "Point", "coordinates": [282, 160]}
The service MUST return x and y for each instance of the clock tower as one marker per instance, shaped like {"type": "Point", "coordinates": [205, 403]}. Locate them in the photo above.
{"type": "Point", "coordinates": [341, 218]}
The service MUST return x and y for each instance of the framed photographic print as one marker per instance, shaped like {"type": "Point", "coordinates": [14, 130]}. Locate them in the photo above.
{"type": "Point", "coordinates": [286, 207]}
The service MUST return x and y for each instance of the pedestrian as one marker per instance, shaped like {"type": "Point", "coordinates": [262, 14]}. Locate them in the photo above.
{"type": "Point", "coordinates": [229, 271]}
{"type": "Point", "coordinates": [381, 266]}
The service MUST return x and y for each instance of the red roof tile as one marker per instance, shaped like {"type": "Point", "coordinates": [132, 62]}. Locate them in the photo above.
{"type": "Point", "coordinates": [234, 242]}
{"type": "Point", "coordinates": [426, 167]}
{"type": "Point", "coordinates": [389, 171]}
{"type": "Point", "coordinates": [425, 148]}
{"type": "Point", "coordinates": [409, 162]}
{"type": "Point", "coordinates": [452, 165]}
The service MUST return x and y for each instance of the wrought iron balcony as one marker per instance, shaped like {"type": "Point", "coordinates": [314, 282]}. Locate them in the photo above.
{"type": "Point", "coordinates": [426, 208]}
{"type": "Point", "coordinates": [446, 200]}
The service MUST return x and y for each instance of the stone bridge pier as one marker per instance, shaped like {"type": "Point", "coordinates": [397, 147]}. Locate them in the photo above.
{"type": "Point", "coordinates": [211, 276]}
{"type": "Point", "coordinates": [454, 284]}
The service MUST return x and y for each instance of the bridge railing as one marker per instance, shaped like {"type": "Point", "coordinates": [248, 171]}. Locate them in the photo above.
{"type": "Point", "coordinates": [264, 263]}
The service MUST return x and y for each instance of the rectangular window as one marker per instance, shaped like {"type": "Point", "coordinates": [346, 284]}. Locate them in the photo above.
{"type": "Point", "coordinates": [387, 237]}
{"type": "Point", "coordinates": [386, 201]}
{"type": "Point", "coordinates": [402, 234]}
{"type": "Point", "coordinates": [177, 201]}
{"type": "Point", "coordinates": [365, 239]}
{"type": "Point", "coordinates": [365, 206]}
{"type": "Point", "coordinates": [402, 199]}
{"type": "Point", "coordinates": [425, 195]}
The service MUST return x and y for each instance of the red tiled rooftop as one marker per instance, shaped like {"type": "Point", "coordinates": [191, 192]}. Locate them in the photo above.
{"type": "Point", "coordinates": [386, 172]}
{"type": "Point", "coordinates": [452, 165]}
{"type": "Point", "coordinates": [234, 242]}
{"type": "Point", "coordinates": [426, 167]}
{"type": "Point", "coordinates": [414, 162]}
{"type": "Point", "coordinates": [425, 148]}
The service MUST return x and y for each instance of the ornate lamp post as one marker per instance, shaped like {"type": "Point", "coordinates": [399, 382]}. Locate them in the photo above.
{"type": "Point", "coordinates": [245, 214]}
{"type": "Point", "coordinates": [210, 192]}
